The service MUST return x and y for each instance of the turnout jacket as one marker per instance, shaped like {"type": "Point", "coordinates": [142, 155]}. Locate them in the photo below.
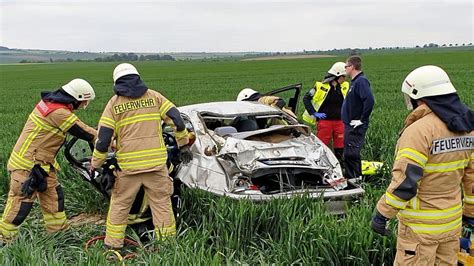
{"type": "Point", "coordinates": [44, 133]}
{"type": "Point", "coordinates": [432, 166]}
{"type": "Point", "coordinates": [276, 102]}
{"type": "Point", "coordinates": [135, 124]}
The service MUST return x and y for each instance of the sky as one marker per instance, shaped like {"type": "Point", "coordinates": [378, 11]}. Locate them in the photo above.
{"type": "Point", "coordinates": [232, 25]}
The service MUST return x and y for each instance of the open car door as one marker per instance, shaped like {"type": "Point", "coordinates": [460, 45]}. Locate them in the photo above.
{"type": "Point", "coordinates": [290, 94]}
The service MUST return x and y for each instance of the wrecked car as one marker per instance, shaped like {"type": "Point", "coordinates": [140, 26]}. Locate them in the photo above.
{"type": "Point", "coordinates": [242, 150]}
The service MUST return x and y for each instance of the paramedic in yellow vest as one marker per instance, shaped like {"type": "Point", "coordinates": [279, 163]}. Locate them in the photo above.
{"type": "Point", "coordinates": [133, 118]}
{"type": "Point", "coordinates": [32, 165]}
{"type": "Point", "coordinates": [323, 108]}
{"type": "Point", "coordinates": [432, 172]}
{"type": "Point", "coordinates": [251, 95]}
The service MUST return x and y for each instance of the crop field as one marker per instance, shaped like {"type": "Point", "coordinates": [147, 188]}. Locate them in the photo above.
{"type": "Point", "coordinates": [214, 230]}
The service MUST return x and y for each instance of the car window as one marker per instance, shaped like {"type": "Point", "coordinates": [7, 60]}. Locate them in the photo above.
{"type": "Point", "coordinates": [290, 94]}
{"type": "Point", "coordinates": [246, 122]}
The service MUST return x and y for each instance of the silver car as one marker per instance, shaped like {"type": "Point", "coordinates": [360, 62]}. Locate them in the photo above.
{"type": "Point", "coordinates": [248, 150]}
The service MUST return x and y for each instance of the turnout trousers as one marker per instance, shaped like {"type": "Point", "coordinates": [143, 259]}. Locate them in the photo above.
{"type": "Point", "coordinates": [353, 142]}
{"type": "Point", "coordinates": [19, 206]}
{"type": "Point", "coordinates": [412, 251]}
{"type": "Point", "coordinates": [158, 188]}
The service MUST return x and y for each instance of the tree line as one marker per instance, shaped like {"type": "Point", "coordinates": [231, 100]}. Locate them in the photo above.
{"type": "Point", "coordinates": [134, 57]}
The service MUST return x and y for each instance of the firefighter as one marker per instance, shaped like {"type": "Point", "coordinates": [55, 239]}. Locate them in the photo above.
{"type": "Point", "coordinates": [133, 118]}
{"type": "Point", "coordinates": [355, 114]}
{"type": "Point", "coordinates": [32, 165]}
{"type": "Point", "coordinates": [434, 159]}
{"type": "Point", "coordinates": [249, 94]}
{"type": "Point", "coordinates": [323, 107]}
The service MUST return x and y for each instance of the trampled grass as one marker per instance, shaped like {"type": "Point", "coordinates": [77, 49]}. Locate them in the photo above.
{"type": "Point", "coordinates": [220, 230]}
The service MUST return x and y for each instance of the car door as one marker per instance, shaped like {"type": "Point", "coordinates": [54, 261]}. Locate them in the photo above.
{"type": "Point", "coordinates": [290, 94]}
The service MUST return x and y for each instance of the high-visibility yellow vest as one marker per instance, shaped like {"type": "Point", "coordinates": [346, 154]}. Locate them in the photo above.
{"type": "Point", "coordinates": [322, 90]}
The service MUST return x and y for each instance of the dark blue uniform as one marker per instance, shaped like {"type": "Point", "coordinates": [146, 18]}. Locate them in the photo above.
{"type": "Point", "coordinates": [357, 105]}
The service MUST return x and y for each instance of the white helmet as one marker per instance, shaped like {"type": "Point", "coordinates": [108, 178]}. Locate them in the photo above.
{"type": "Point", "coordinates": [123, 70]}
{"type": "Point", "coordinates": [245, 94]}
{"type": "Point", "coordinates": [427, 81]}
{"type": "Point", "coordinates": [338, 69]}
{"type": "Point", "coordinates": [80, 90]}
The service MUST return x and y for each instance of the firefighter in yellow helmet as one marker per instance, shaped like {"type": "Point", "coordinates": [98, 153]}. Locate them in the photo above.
{"type": "Point", "coordinates": [323, 105]}
{"type": "Point", "coordinates": [133, 118]}
{"type": "Point", "coordinates": [32, 165]}
{"type": "Point", "coordinates": [434, 162]}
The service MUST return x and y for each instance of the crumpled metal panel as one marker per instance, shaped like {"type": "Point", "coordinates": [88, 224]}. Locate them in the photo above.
{"type": "Point", "coordinates": [207, 173]}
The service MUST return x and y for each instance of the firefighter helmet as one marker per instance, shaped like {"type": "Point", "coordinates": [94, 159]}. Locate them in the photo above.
{"type": "Point", "coordinates": [338, 69]}
{"type": "Point", "coordinates": [427, 81]}
{"type": "Point", "coordinates": [245, 94]}
{"type": "Point", "coordinates": [123, 70]}
{"type": "Point", "coordinates": [80, 90]}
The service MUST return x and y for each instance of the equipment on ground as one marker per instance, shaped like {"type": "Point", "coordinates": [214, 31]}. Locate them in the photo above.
{"type": "Point", "coordinates": [466, 253]}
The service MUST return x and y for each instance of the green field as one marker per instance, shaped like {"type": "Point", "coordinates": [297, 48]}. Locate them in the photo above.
{"type": "Point", "coordinates": [219, 230]}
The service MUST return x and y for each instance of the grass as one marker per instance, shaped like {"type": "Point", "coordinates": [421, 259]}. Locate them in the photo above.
{"type": "Point", "coordinates": [219, 230]}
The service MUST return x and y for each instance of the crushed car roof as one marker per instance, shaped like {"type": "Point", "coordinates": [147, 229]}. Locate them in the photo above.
{"type": "Point", "coordinates": [229, 108]}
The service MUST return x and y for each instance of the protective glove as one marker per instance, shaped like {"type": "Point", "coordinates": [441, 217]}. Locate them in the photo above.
{"type": "Point", "coordinates": [185, 154]}
{"type": "Point", "coordinates": [355, 123]}
{"type": "Point", "coordinates": [35, 182]}
{"type": "Point", "coordinates": [108, 181]}
{"type": "Point", "coordinates": [319, 115]}
{"type": "Point", "coordinates": [379, 224]}
{"type": "Point", "coordinates": [28, 188]}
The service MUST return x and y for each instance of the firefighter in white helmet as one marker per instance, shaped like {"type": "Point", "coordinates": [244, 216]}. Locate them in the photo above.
{"type": "Point", "coordinates": [434, 162]}
{"type": "Point", "coordinates": [323, 107]}
{"type": "Point", "coordinates": [32, 165]}
{"type": "Point", "coordinates": [249, 94]}
{"type": "Point", "coordinates": [133, 117]}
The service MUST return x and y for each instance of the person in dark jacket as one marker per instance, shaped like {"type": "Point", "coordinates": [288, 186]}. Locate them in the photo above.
{"type": "Point", "coordinates": [356, 110]}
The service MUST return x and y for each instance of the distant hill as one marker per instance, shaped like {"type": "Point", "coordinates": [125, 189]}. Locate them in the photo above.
{"type": "Point", "coordinates": [8, 55]}
{"type": "Point", "coordinates": [12, 55]}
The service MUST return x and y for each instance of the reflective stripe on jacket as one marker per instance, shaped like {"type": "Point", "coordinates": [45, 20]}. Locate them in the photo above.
{"type": "Point", "coordinates": [136, 123]}
{"type": "Point", "coordinates": [41, 138]}
{"type": "Point", "coordinates": [321, 91]}
{"type": "Point", "coordinates": [430, 165]}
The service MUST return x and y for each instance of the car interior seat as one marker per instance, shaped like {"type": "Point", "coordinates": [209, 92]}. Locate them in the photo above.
{"type": "Point", "coordinates": [243, 124]}
{"type": "Point", "coordinates": [225, 131]}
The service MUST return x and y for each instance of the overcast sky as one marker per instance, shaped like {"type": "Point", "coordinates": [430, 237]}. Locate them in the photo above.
{"type": "Point", "coordinates": [237, 25]}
